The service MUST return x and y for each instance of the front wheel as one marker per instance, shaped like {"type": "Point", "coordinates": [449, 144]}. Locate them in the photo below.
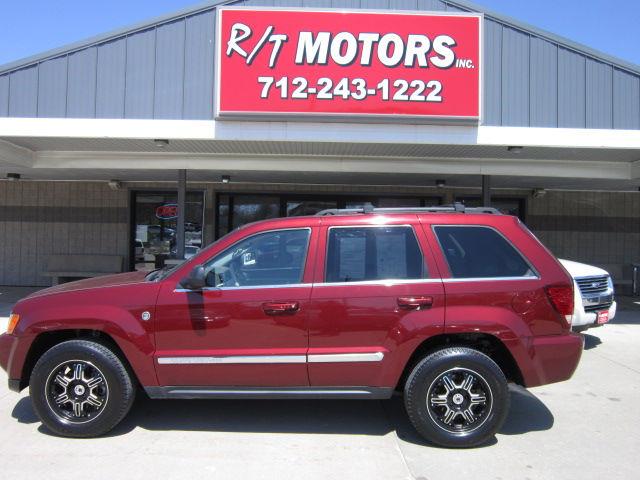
{"type": "Point", "coordinates": [457, 397]}
{"type": "Point", "coordinates": [80, 389]}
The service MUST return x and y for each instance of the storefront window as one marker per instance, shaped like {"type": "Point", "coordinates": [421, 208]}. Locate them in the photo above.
{"type": "Point", "coordinates": [296, 208]}
{"type": "Point", "coordinates": [155, 216]}
{"type": "Point", "coordinates": [509, 206]}
{"type": "Point", "coordinates": [235, 210]}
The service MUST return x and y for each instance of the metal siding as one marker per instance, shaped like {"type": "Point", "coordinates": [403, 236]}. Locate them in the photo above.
{"type": "Point", "coordinates": [4, 95]}
{"type": "Point", "coordinates": [453, 8]}
{"type": "Point", "coordinates": [198, 75]}
{"type": "Point", "coordinates": [571, 89]}
{"type": "Point", "coordinates": [599, 95]}
{"type": "Point", "coordinates": [110, 85]}
{"type": "Point", "coordinates": [169, 76]}
{"type": "Point", "coordinates": [543, 102]}
{"type": "Point", "coordinates": [259, 3]}
{"type": "Point", "coordinates": [626, 100]}
{"type": "Point", "coordinates": [376, 4]}
{"type": "Point", "coordinates": [316, 3]}
{"type": "Point", "coordinates": [404, 4]}
{"type": "Point", "coordinates": [345, 3]}
{"type": "Point", "coordinates": [52, 88]}
{"type": "Point", "coordinates": [141, 59]}
{"type": "Point", "coordinates": [288, 3]}
{"type": "Point", "coordinates": [431, 5]}
{"type": "Point", "coordinates": [492, 82]}
{"type": "Point", "coordinates": [515, 78]}
{"type": "Point", "coordinates": [81, 90]}
{"type": "Point", "coordinates": [23, 92]}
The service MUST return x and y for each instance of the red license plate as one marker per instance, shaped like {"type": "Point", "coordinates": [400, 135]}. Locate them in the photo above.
{"type": "Point", "coordinates": [603, 317]}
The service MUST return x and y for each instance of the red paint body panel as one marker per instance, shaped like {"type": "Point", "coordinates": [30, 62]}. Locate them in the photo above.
{"type": "Point", "coordinates": [367, 318]}
{"type": "Point", "coordinates": [112, 304]}
{"type": "Point", "coordinates": [354, 318]}
{"type": "Point", "coordinates": [231, 322]}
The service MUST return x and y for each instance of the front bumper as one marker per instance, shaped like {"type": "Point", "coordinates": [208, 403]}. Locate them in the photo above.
{"type": "Point", "coordinates": [553, 358]}
{"type": "Point", "coordinates": [7, 346]}
{"type": "Point", "coordinates": [588, 319]}
{"type": "Point", "coordinates": [13, 352]}
{"type": "Point", "coordinates": [14, 384]}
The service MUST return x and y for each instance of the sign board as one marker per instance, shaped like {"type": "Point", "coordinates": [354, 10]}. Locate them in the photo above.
{"type": "Point", "coordinates": [283, 63]}
{"type": "Point", "coordinates": [167, 211]}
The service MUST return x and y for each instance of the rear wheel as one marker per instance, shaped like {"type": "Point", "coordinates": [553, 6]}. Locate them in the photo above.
{"type": "Point", "coordinates": [81, 389]}
{"type": "Point", "coordinates": [457, 397]}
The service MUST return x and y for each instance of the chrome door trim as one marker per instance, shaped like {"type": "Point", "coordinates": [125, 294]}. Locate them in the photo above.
{"type": "Point", "coordinates": [487, 279]}
{"type": "Point", "coordinates": [270, 359]}
{"type": "Point", "coordinates": [387, 282]}
{"type": "Point", "coordinates": [232, 359]}
{"type": "Point", "coordinates": [345, 357]}
{"type": "Point", "coordinates": [246, 287]}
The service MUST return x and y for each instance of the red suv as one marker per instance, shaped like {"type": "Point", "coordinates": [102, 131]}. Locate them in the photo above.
{"type": "Point", "coordinates": [442, 305]}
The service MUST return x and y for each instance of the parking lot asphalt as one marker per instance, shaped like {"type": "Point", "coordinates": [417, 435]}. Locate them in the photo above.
{"type": "Point", "coordinates": [585, 428]}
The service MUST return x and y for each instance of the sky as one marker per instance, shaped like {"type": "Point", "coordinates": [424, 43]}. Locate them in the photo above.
{"type": "Point", "coordinates": [29, 27]}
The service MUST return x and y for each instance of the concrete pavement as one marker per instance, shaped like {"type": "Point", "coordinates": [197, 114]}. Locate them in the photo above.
{"type": "Point", "coordinates": [586, 428]}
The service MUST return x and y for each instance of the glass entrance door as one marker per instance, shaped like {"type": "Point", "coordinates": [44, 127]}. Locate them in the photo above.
{"type": "Point", "coordinates": [154, 227]}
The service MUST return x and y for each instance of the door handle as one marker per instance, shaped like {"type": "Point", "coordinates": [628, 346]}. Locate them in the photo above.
{"type": "Point", "coordinates": [415, 303]}
{"type": "Point", "coordinates": [280, 308]}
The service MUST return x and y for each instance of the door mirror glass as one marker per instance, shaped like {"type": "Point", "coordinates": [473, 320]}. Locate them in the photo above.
{"type": "Point", "coordinates": [195, 280]}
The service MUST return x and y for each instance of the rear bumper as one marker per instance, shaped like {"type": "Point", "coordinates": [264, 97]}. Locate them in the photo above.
{"type": "Point", "coordinates": [553, 358]}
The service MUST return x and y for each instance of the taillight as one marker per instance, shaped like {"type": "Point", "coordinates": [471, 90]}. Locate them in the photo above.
{"type": "Point", "coordinates": [561, 297]}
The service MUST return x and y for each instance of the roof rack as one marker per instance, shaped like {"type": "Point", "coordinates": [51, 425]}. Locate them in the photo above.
{"type": "Point", "coordinates": [368, 208]}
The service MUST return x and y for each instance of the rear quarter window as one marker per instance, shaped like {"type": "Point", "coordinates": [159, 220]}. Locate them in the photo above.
{"type": "Point", "coordinates": [480, 252]}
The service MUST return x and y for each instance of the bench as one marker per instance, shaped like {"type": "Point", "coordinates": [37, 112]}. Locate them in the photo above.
{"type": "Point", "coordinates": [65, 267]}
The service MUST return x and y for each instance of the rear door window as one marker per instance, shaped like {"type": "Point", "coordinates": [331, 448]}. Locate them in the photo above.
{"type": "Point", "coordinates": [356, 254]}
{"type": "Point", "coordinates": [480, 252]}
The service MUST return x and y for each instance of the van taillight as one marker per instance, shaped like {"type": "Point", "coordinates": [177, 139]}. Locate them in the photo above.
{"type": "Point", "coordinates": [561, 297]}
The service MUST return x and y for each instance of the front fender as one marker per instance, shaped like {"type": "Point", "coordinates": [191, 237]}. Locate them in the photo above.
{"type": "Point", "coordinates": [123, 324]}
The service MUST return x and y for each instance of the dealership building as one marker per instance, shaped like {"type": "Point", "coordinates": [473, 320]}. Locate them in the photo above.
{"type": "Point", "coordinates": [132, 148]}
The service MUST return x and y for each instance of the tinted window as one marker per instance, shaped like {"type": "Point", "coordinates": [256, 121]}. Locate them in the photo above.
{"type": "Point", "coordinates": [373, 253]}
{"type": "Point", "coordinates": [270, 258]}
{"type": "Point", "coordinates": [480, 252]}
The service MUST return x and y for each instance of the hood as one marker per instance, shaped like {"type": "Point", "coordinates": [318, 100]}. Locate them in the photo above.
{"type": "Point", "coordinates": [577, 269]}
{"type": "Point", "coordinates": [95, 282]}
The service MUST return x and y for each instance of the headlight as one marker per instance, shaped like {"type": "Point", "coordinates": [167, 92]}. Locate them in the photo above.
{"type": "Point", "coordinates": [13, 323]}
{"type": "Point", "coordinates": [610, 283]}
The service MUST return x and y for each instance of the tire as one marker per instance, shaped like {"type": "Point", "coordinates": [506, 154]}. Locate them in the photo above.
{"type": "Point", "coordinates": [444, 396]}
{"type": "Point", "coordinates": [80, 389]}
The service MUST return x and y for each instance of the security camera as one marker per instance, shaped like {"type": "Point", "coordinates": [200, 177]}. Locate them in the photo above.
{"type": "Point", "coordinates": [538, 192]}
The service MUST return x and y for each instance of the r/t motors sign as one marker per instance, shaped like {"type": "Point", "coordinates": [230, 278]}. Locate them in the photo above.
{"type": "Point", "coordinates": [275, 63]}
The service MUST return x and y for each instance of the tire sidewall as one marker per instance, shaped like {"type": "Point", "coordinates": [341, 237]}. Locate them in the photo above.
{"type": "Point", "coordinates": [120, 389]}
{"type": "Point", "coordinates": [430, 368]}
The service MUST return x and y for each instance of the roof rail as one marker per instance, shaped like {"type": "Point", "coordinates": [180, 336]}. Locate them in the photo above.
{"type": "Point", "coordinates": [368, 208]}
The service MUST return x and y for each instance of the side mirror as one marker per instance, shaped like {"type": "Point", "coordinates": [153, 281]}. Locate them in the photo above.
{"type": "Point", "coordinates": [195, 280]}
